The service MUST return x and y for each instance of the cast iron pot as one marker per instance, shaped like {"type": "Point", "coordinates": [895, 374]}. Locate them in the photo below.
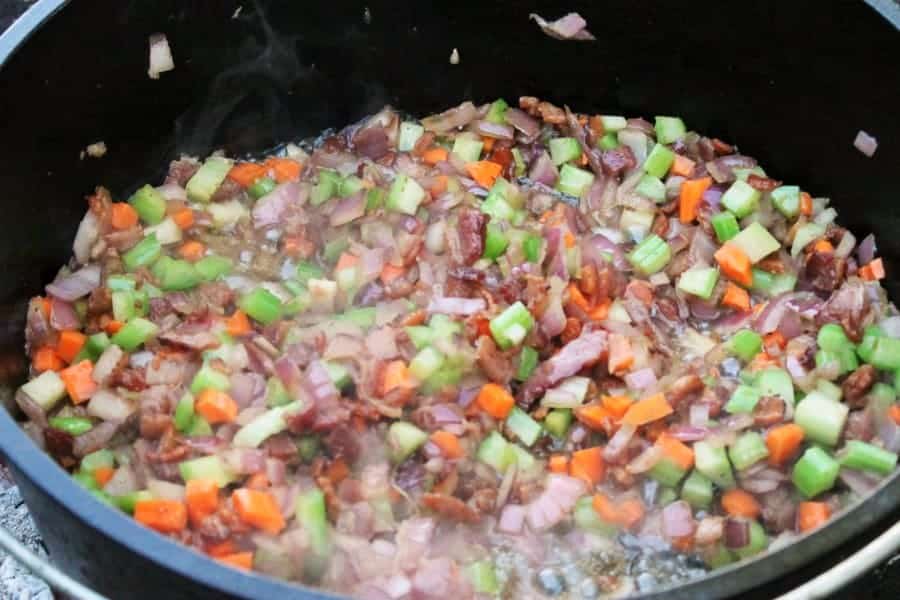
{"type": "Point", "coordinates": [791, 82]}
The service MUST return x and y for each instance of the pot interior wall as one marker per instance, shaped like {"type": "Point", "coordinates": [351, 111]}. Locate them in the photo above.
{"type": "Point", "coordinates": [790, 83]}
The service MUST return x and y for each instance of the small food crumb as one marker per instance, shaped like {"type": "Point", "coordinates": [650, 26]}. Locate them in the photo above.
{"type": "Point", "coordinates": [865, 143]}
{"type": "Point", "coordinates": [367, 16]}
{"type": "Point", "coordinates": [454, 57]}
{"type": "Point", "coordinates": [160, 56]}
{"type": "Point", "coordinates": [95, 150]}
{"type": "Point", "coordinates": [237, 12]}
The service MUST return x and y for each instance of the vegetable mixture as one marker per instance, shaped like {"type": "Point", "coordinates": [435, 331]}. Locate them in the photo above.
{"type": "Point", "coordinates": [496, 352]}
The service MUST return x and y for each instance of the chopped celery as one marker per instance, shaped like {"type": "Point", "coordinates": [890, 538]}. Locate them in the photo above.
{"type": "Point", "coordinates": [142, 254]}
{"type": "Point", "coordinates": [667, 472]}
{"type": "Point", "coordinates": [697, 490]}
{"type": "Point", "coordinates": [276, 393]}
{"type": "Point", "coordinates": [117, 283]}
{"type": "Point", "coordinates": [375, 199]}
{"type": "Point", "coordinates": [166, 231]}
{"type": "Point", "coordinates": [776, 382]}
{"type": "Point", "coordinates": [821, 418]}
{"type": "Point", "coordinates": [226, 214]}
{"type": "Point", "coordinates": [885, 353]}
{"type": "Point", "coordinates": [307, 271]}
{"type": "Point", "coordinates": [831, 390]}
{"type": "Point", "coordinates": [651, 255]}
{"type": "Point", "coordinates": [712, 462]}
{"type": "Point", "coordinates": [831, 337]}
{"type": "Point", "coordinates": [96, 344]}
{"type": "Point", "coordinates": [123, 305]}
{"type": "Point", "coordinates": [468, 147]}
{"type": "Point", "coordinates": [207, 377]}
{"type": "Point", "coordinates": [495, 242]}
{"type": "Point", "coordinates": [586, 518]}
{"type": "Point", "coordinates": [567, 394]}
{"type": "Point", "coordinates": [651, 187]}
{"type": "Point", "coordinates": [126, 502]}
{"type": "Point", "coordinates": [497, 111]}
{"type": "Point", "coordinates": [574, 181]}
{"type": "Point", "coordinates": [805, 236]}
{"type": "Point", "coordinates": [496, 452]}
{"type": "Point", "coordinates": [212, 267]}
{"type": "Point", "coordinates": [528, 360]}
{"type": "Point", "coordinates": [405, 195]}
{"type": "Point", "coordinates": [523, 426]}
{"type": "Point", "coordinates": [311, 514]}
{"type": "Point", "coordinates": [497, 202]}
{"type": "Point", "coordinates": [613, 123]}
{"type": "Point", "coordinates": [725, 226]}
{"type": "Point", "coordinates": [483, 577]}
{"type": "Point", "coordinates": [207, 467]}
{"type": "Point", "coordinates": [265, 426]}
{"type": "Point", "coordinates": [184, 412]}
{"type": "Point", "coordinates": [511, 326]}
{"type": "Point", "coordinates": [866, 348]}
{"type": "Point", "coordinates": [349, 185]}
{"type": "Point", "coordinates": [519, 161]}
{"type": "Point", "coordinates": [609, 141]}
{"type": "Point", "coordinates": [636, 223]}
{"type": "Point", "coordinates": [420, 335]}
{"type": "Point", "coordinates": [787, 200]}
{"type": "Point", "coordinates": [564, 149]}
{"type": "Point", "coordinates": [175, 274]}
{"type": "Point", "coordinates": [308, 447]}
{"type": "Point", "coordinates": [72, 425]}
{"type": "Point", "coordinates": [134, 333]}
{"type": "Point", "coordinates": [45, 390]}
{"type": "Point", "coordinates": [262, 305]}
{"type": "Point", "coordinates": [261, 187]}
{"type": "Point", "coordinates": [747, 450]}
{"type": "Point", "coordinates": [425, 363]}
{"type": "Point", "coordinates": [815, 472]}
{"type": "Point", "coordinates": [757, 543]}
{"type": "Point", "coordinates": [669, 129]}
{"type": "Point", "coordinates": [867, 457]}
{"type": "Point", "coordinates": [743, 399]}
{"type": "Point", "coordinates": [207, 179]}
{"type": "Point", "coordinates": [745, 344]}
{"type": "Point", "coordinates": [404, 439]}
{"type": "Point", "coordinates": [327, 186]}
{"type": "Point", "coordinates": [149, 204]}
{"type": "Point", "coordinates": [557, 422]}
{"type": "Point", "coordinates": [100, 459]}
{"type": "Point", "coordinates": [699, 281]}
{"type": "Point", "coordinates": [659, 160]}
{"type": "Point", "coordinates": [740, 198]}
{"type": "Point", "coordinates": [199, 427]}
{"type": "Point", "coordinates": [410, 133]}
{"type": "Point", "coordinates": [756, 242]}
{"type": "Point", "coordinates": [363, 316]}
{"type": "Point", "coordinates": [339, 374]}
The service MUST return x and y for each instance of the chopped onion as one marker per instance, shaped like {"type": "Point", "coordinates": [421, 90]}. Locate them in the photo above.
{"type": "Point", "coordinates": [890, 326]}
{"type": "Point", "coordinates": [512, 519]}
{"type": "Point", "coordinates": [77, 285]}
{"type": "Point", "coordinates": [646, 460]}
{"type": "Point", "coordinates": [865, 143]}
{"type": "Point", "coordinates": [866, 250]}
{"type": "Point", "coordinates": [825, 217]}
{"type": "Point", "coordinates": [457, 306]}
{"type": "Point", "coordinates": [848, 242]}
{"type": "Point", "coordinates": [494, 130]}
{"type": "Point", "coordinates": [619, 441]}
{"type": "Point", "coordinates": [435, 238]}
{"type": "Point", "coordinates": [641, 379]}
{"type": "Point", "coordinates": [160, 56]}
{"type": "Point", "coordinates": [678, 520]}
{"type": "Point", "coordinates": [699, 415]}
{"type": "Point", "coordinates": [737, 533]}
{"type": "Point", "coordinates": [570, 27]}
{"type": "Point", "coordinates": [522, 121]}
{"type": "Point", "coordinates": [165, 489]}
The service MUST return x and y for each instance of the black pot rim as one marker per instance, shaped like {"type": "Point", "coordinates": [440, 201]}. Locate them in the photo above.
{"type": "Point", "coordinates": [53, 481]}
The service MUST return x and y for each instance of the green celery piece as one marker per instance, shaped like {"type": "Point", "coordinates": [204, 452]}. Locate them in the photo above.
{"type": "Point", "coordinates": [821, 418]}
{"type": "Point", "coordinates": [831, 337]}
{"type": "Point", "coordinates": [311, 514]}
{"type": "Point", "coordinates": [375, 199]}
{"type": "Point", "coordinates": [747, 450]}
{"type": "Point", "coordinates": [613, 123]}
{"type": "Point", "coordinates": [834, 392]}
{"type": "Point", "coordinates": [497, 111]}
{"type": "Point", "coordinates": [651, 187]}
{"type": "Point", "coordinates": [184, 412]}
{"type": "Point", "coordinates": [199, 427]}
{"type": "Point", "coordinates": [483, 577]}
{"type": "Point", "coordinates": [743, 173]}
{"type": "Point", "coordinates": [424, 364]}
{"type": "Point", "coordinates": [207, 377]}
{"type": "Point", "coordinates": [557, 422]}
{"type": "Point", "coordinates": [85, 480]}
{"type": "Point", "coordinates": [511, 326]}
{"type": "Point", "coordinates": [712, 462]}
{"type": "Point", "coordinates": [363, 316]}
{"type": "Point", "coordinates": [886, 354]}
{"type": "Point", "coordinates": [261, 187]}
{"type": "Point", "coordinates": [46, 390]}
{"type": "Point", "coordinates": [134, 333]}
{"type": "Point", "coordinates": [262, 305]}
{"type": "Point", "coordinates": [143, 254]}
{"type": "Point", "coordinates": [468, 146]}
{"type": "Point", "coordinates": [725, 226]}
{"type": "Point", "coordinates": [776, 382]}
{"type": "Point", "coordinates": [528, 360]}
{"type": "Point", "coordinates": [787, 200]}
{"type": "Point", "coordinates": [743, 399]}
{"type": "Point", "coordinates": [805, 236]}
{"type": "Point", "coordinates": [495, 242]}
{"type": "Point", "coordinates": [327, 186]}
{"type": "Point", "coordinates": [339, 374]}
{"type": "Point", "coordinates": [420, 335]}
{"type": "Point", "coordinates": [123, 305]}
{"type": "Point", "coordinates": [100, 459]}
{"type": "Point", "coordinates": [308, 447]}
{"type": "Point", "coordinates": [867, 457]}
{"type": "Point", "coordinates": [410, 133]}
{"type": "Point", "coordinates": [276, 393]}
{"type": "Point", "coordinates": [349, 186]}
{"type": "Point", "coordinates": [523, 426]}
{"type": "Point", "coordinates": [574, 181]}
{"type": "Point", "coordinates": [207, 467]}
{"type": "Point", "coordinates": [741, 199]}
{"type": "Point", "coordinates": [667, 472]}
{"type": "Point", "coordinates": [587, 519]}
{"type": "Point", "coordinates": [669, 129]}
{"type": "Point", "coordinates": [149, 204]}
{"type": "Point", "coordinates": [117, 283]}
{"type": "Point", "coordinates": [496, 452]}
{"type": "Point", "coordinates": [697, 490]}
{"type": "Point", "coordinates": [609, 141]}
{"type": "Point", "coordinates": [212, 267]}
{"type": "Point", "coordinates": [405, 195]}
{"type": "Point", "coordinates": [758, 541]}
{"type": "Point", "coordinates": [659, 160]}
{"type": "Point", "coordinates": [756, 242]}
{"type": "Point", "coordinates": [699, 281]}
{"type": "Point", "coordinates": [651, 255]}
{"type": "Point", "coordinates": [307, 271]}
{"type": "Point", "coordinates": [269, 423]}
{"type": "Point", "coordinates": [815, 472]}
{"type": "Point", "coordinates": [519, 161]}
{"type": "Point", "coordinates": [96, 344]}
{"type": "Point", "coordinates": [564, 149]}
{"type": "Point", "coordinates": [207, 179]}
{"type": "Point", "coordinates": [404, 439]}
{"type": "Point", "coordinates": [173, 275]}
{"type": "Point", "coordinates": [497, 204]}
{"type": "Point", "coordinates": [746, 344]}
{"type": "Point", "coordinates": [126, 502]}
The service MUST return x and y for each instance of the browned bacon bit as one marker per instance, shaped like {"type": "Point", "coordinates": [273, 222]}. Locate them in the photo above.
{"type": "Point", "coordinates": [763, 184]}
{"type": "Point", "coordinates": [858, 384]}
{"type": "Point", "coordinates": [571, 331]}
{"type": "Point", "coordinates": [721, 147]}
{"type": "Point", "coordinates": [332, 502]}
{"type": "Point", "coordinates": [768, 411]}
{"type": "Point", "coordinates": [451, 507]}
{"type": "Point", "coordinates": [683, 387]}
{"type": "Point", "coordinates": [529, 104]}
{"type": "Point", "coordinates": [772, 264]}
{"type": "Point", "coordinates": [495, 364]}
{"type": "Point", "coordinates": [472, 225]}
{"type": "Point", "coordinates": [551, 113]}
{"type": "Point", "coordinates": [595, 125]}
{"type": "Point", "coordinates": [660, 225]}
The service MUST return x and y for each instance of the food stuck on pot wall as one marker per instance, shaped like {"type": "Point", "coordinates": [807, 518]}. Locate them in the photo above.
{"type": "Point", "coordinates": [501, 351]}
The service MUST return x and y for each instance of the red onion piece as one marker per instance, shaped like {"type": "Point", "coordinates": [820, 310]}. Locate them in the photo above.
{"type": "Point", "coordinates": [553, 321]}
{"type": "Point", "coordinates": [865, 143]}
{"type": "Point", "coordinates": [619, 442]}
{"type": "Point", "coordinates": [63, 315]}
{"type": "Point", "coordinates": [173, 191]}
{"type": "Point", "coordinates": [558, 498]}
{"type": "Point", "coordinates": [866, 250]}
{"type": "Point", "coordinates": [512, 519]}
{"type": "Point", "coordinates": [641, 379]}
{"type": "Point", "coordinates": [543, 170]}
{"type": "Point", "coordinates": [494, 130]}
{"type": "Point", "coordinates": [570, 27]}
{"type": "Point", "coordinates": [160, 56]}
{"type": "Point", "coordinates": [688, 433]}
{"type": "Point", "coordinates": [721, 168]}
{"type": "Point", "coordinates": [246, 387]}
{"type": "Point", "coordinates": [594, 248]}
{"type": "Point", "coordinates": [348, 209]}
{"type": "Point", "coordinates": [699, 415]}
{"type": "Point", "coordinates": [713, 195]}
{"type": "Point", "coordinates": [456, 117]}
{"type": "Point", "coordinates": [270, 209]}
{"type": "Point", "coordinates": [846, 245]}
{"type": "Point", "coordinates": [522, 121]}
{"type": "Point", "coordinates": [456, 306]}
{"type": "Point", "coordinates": [860, 483]}
{"type": "Point", "coordinates": [737, 533]}
{"type": "Point", "coordinates": [77, 285]}
{"type": "Point", "coordinates": [678, 520]}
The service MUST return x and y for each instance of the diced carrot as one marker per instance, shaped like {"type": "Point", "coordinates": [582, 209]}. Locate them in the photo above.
{"type": "Point", "coordinates": [70, 344]}
{"type": "Point", "coordinates": [258, 481]}
{"type": "Point", "coordinates": [439, 186]}
{"type": "Point", "coordinates": [183, 217]}
{"type": "Point", "coordinates": [865, 272]}
{"type": "Point", "coordinates": [222, 548]}
{"type": "Point", "coordinates": [448, 443]}
{"type": "Point", "coordinates": [216, 406]}
{"type": "Point", "coordinates": [346, 261]}
{"type": "Point", "coordinates": [690, 197]}
{"type": "Point", "coordinates": [872, 271]}
{"type": "Point", "coordinates": [559, 463]}
{"type": "Point", "coordinates": [683, 544]}
{"type": "Point", "coordinates": [682, 165]}
{"type": "Point", "coordinates": [495, 400]}
{"type": "Point", "coordinates": [594, 416]}
{"type": "Point", "coordinates": [79, 381]}
{"type": "Point", "coordinates": [102, 475]}
{"type": "Point", "coordinates": [617, 405]}
{"type": "Point", "coordinates": [763, 360]}
{"type": "Point", "coordinates": [823, 247]}
{"type": "Point", "coordinates": [238, 325]}
{"type": "Point", "coordinates": [337, 471]}
{"type": "Point", "coordinates": [783, 442]}
{"type": "Point", "coordinates": [484, 172]}
{"type": "Point", "coordinates": [435, 155]}
{"type": "Point", "coordinates": [165, 516]}
{"type": "Point", "coordinates": [488, 143]}
{"type": "Point", "coordinates": [245, 173]}
{"type": "Point", "coordinates": [736, 297]}
{"type": "Point", "coordinates": [894, 413]}
{"type": "Point", "coordinates": [112, 326]}
{"type": "Point", "coordinates": [577, 298]}
{"type": "Point", "coordinates": [395, 375]}
{"type": "Point", "coordinates": [202, 499]}
{"type": "Point", "coordinates": [605, 509]}
{"type": "Point", "coordinates": [739, 503]}
{"type": "Point", "coordinates": [588, 465]}
{"type": "Point", "coordinates": [389, 273]}
{"type": "Point", "coordinates": [806, 205]}
{"type": "Point", "coordinates": [647, 410]}
{"type": "Point", "coordinates": [483, 326]}
{"type": "Point", "coordinates": [631, 512]}
{"type": "Point", "coordinates": [238, 560]}
{"type": "Point", "coordinates": [735, 264]}
{"type": "Point", "coordinates": [600, 311]}
{"type": "Point", "coordinates": [620, 355]}
{"type": "Point", "coordinates": [569, 240]}
{"type": "Point", "coordinates": [259, 509]}
{"type": "Point", "coordinates": [812, 514]}
{"type": "Point", "coordinates": [284, 169]}
{"type": "Point", "coordinates": [123, 215]}
{"type": "Point", "coordinates": [676, 450]}
{"type": "Point", "coordinates": [46, 306]}
{"type": "Point", "coordinates": [774, 339]}
{"type": "Point", "coordinates": [192, 250]}
{"type": "Point", "coordinates": [46, 359]}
